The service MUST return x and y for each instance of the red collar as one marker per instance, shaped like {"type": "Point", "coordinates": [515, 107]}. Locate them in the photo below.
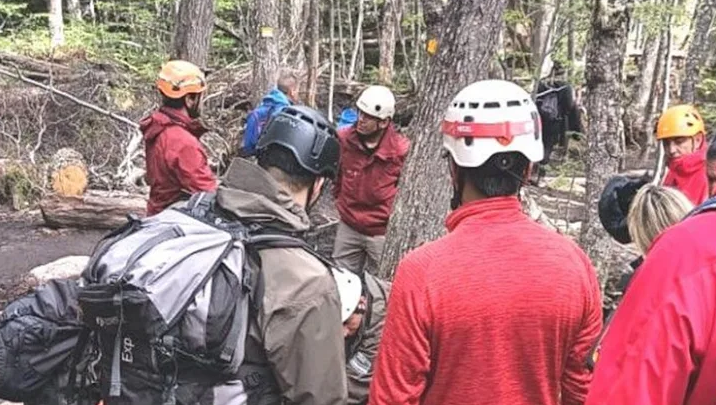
{"type": "Point", "coordinates": [388, 147]}
{"type": "Point", "coordinates": [490, 210]}
{"type": "Point", "coordinates": [195, 126]}
{"type": "Point", "coordinates": [689, 164]}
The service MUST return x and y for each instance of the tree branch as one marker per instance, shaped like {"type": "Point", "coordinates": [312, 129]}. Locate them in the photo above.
{"type": "Point", "coordinates": [70, 97]}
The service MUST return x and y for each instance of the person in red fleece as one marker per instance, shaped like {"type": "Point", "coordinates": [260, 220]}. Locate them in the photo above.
{"type": "Point", "coordinates": [660, 346]}
{"type": "Point", "coordinates": [501, 310]}
{"type": "Point", "coordinates": [176, 161]}
{"type": "Point", "coordinates": [372, 156]}
{"type": "Point", "coordinates": [683, 133]}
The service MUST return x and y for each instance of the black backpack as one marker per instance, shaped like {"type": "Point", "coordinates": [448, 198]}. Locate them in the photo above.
{"type": "Point", "coordinates": [548, 104]}
{"type": "Point", "coordinates": [38, 336]}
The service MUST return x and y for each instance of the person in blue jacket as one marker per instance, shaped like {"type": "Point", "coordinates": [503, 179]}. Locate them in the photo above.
{"type": "Point", "coordinates": [284, 94]}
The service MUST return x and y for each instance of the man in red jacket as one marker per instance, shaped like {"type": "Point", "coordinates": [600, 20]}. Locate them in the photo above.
{"type": "Point", "coordinates": [660, 346]}
{"type": "Point", "coordinates": [683, 132]}
{"type": "Point", "coordinates": [501, 311]}
{"type": "Point", "coordinates": [372, 156]}
{"type": "Point", "coordinates": [176, 161]}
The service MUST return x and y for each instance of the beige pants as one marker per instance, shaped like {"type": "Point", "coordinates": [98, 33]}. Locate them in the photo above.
{"type": "Point", "coordinates": [353, 250]}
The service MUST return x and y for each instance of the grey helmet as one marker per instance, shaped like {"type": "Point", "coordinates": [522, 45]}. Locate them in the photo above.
{"type": "Point", "coordinates": [308, 135]}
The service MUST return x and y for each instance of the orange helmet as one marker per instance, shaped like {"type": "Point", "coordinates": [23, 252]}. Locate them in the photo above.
{"type": "Point", "coordinates": [678, 121]}
{"type": "Point", "coordinates": [179, 78]}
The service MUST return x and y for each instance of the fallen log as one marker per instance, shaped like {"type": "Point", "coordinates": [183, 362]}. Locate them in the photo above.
{"type": "Point", "coordinates": [93, 210]}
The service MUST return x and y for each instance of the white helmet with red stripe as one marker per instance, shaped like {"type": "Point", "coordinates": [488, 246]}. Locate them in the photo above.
{"type": "Point", "coordinates": [489, 117]}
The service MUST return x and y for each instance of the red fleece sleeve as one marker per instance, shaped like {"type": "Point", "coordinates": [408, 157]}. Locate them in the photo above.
{"type": "Point", "coordinates": [192, 169]}
{"type": "Point", "coordinates": [576, 377]}
{"type": "Point", "coordinates": [403, 360]}
{"type": "Point", "coordinates": [650, 351]}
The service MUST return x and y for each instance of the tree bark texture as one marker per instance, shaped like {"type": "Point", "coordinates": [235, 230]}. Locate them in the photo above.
{"type": "Point", "coordinates": [433, 16]}
{"type": "Point", "coordinates": [57, 28]}
{"type": "Point", "coordinates": [314, 54]}
{"type": "Point", "coordinates": [603, 74]}
{"type": "Point", "coordinates": [192, 32]}
{"type": "Point", "coordinates": [265, 64]}
{"type": "Point", "coordinates": [698, 49]}
{"type": "Point", "coordinates": [543, 21]}
{"type": "Point", "coordinates": [391, 17]}
{"type": "Point", "coordinates": [642, 105]}
{"type": "Point", "coordinates": [292, 51]}
{"type": "Point", "coordinates": [468, 37]}
{"type": "Point", "coordinates": [94, 210]}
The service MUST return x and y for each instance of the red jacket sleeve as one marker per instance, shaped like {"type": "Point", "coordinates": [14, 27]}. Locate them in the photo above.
{"type": "Point", "coordinates": [403, 360]}
{"type": "Point", "coordinates": [192, 169]}
{"type": "Point", "coordinates": [650, 348]}
{"type": "Point", "coordinates": [576, 377]}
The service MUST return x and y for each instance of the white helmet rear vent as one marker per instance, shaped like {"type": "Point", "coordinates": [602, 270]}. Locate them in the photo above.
{"type": "Point", "coordinates": [492, 104]}
{"type": "Point", "coordinates": [514, 103]}
{"type": "Point", "coordinates": [474, 106]}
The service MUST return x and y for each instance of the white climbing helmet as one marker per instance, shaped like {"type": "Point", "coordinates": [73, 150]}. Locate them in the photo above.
{"type": "Point", "coordinates": [377, 101]}
{"type": "Point", "coordinates": [349, 291]}
{"type": "Point", "coordinates": [489, 117]}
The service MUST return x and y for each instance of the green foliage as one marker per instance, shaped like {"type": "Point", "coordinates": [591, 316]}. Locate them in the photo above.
{"type": "Point", "coordinates": [17, 187]}
{"type": "Point", "coordinates": [654, 15]}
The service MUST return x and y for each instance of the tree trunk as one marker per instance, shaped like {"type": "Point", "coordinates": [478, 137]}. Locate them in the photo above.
{"type": "Point", "coordinates": [94, 210]}
{"type": "Point", "coordinates": [192, 32]}
{"type": "Point", "coordinates": [433, 16]}
{"type": "Point", "coordinates": [357, 39]}
{"type": "Point", "coordinates": [265, 66]}
{"type": "Point", "coordinates": [467, 45]}
{"type": "Point", "coordinates": [314, 54]}
{"type": "Point", "coordinates": [292, 45]}
{"type": "Point", "coordinates": [641, 106]}
{"type": "Point", "coordinates": [571, 49]}
{"type": "Point", "coordinates": [391, 16]}
{"type": "Point", "coordinates": [91, 10]}
{"type": "Point", "coordinates": [74, 9]}
{"type": "Point", "coordinates": [603, 74]}
{"type": "Point", "coordinates": [543, 21]}
{"type": "Point", "coordinates": [341, 47]}
{"type": "Point", "coordinates": [698, 50]}
{"type": "Point", "coordinates": [57, 29]}
{"type": "Point", "coordinates": [332, 82]}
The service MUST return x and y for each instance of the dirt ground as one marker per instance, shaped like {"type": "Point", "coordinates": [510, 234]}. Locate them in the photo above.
{"type": "Point", "coordinates": [25, 243]}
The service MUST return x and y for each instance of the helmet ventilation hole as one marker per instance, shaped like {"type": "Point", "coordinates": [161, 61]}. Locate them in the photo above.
{"type": "Point", "coordinates": [493, 104]}
{"type": "Point", "coordinates": [468, 140]}
{"type": "Point", "coordinates": [474, 105]}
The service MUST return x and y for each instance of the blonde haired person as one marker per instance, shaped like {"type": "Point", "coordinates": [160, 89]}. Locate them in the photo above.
{"type": "Point", "coordinates": [654, 209]}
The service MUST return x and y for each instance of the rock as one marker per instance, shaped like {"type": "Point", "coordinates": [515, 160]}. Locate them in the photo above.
{"type": "Point", "coordinates": [65, 267]}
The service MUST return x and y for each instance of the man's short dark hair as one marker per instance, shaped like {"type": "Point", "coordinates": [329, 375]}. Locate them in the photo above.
{"type": "Point", "coordinates": [289, 172]}
{"type": "Point", "coordinates": [502, 174]}
{"type": "Point", "coordinates": [711, 152]}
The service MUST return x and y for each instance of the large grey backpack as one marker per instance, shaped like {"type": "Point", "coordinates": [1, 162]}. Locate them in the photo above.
{"type": "Point", "coordinates": [169, 298]}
